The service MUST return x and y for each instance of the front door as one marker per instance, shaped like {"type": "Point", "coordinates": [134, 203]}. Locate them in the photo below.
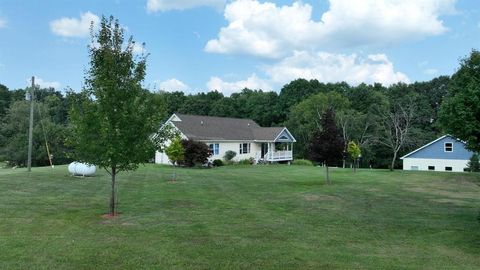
{"type": "Point", "coordinates": [264, 149]}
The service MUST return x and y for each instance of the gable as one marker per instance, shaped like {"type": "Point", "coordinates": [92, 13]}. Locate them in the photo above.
{"type": "Point", "coordinates": [436, 150]}
{"type": "Point", "coordinates": [285, 136]}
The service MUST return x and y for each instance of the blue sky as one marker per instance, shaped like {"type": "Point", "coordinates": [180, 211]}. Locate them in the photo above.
{"type": "Point", "coordinates": [202, 45]}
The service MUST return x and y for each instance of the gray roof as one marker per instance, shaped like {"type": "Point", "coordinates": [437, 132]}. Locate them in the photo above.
{"type": "Point", "coordinates": [210, 128]}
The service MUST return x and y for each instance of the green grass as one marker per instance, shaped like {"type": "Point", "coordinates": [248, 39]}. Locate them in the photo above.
{"type": "Point", "coordinates": [240, 217]}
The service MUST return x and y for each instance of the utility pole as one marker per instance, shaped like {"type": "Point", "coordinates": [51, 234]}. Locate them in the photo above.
{"type": "Point", "coordinates": [30, 129]}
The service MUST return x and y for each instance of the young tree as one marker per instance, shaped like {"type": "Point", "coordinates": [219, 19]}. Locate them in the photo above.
{"type": "Point", "coordinates": [459, 112]}
{"type": "Point", "coordinates": [112, 120]}
{"type": "Point", "coordinates": [327, 144]}
{"type": "Point", "coordinates": [175, 153]}
{"type": "Point", "coordinates": [354, 151]}
{"type": "Point", "coordinates": [395, 128]}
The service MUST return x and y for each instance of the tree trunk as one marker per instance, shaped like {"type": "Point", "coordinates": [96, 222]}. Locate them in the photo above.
{"type": "Point", "coordinates": [344, 161]}
{"type": "Point", "coordinates": [393, 161]}
{"type": "Point", "coordinates": [354, 165]}
{"type": "Point", "coordinates": [112, 196]}
{"type": "Point", "coordinates": [328, 176]}
{"type": "Point", "coordinates": [174, 176]}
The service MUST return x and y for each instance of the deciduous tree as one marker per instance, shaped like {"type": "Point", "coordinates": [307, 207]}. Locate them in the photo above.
{"type": "Point", "coordinates": [327, 145]}
{"type": "Point", "coordinates": [175, 153]}
{"type": "Point", "coordinates": [460, 111]}
{"type": "Point", "coordinates": [112, 120]}
{"type": "Point", "coordinates": [354, 151]}
{"type": "Point", "coordinates": [395, 128]}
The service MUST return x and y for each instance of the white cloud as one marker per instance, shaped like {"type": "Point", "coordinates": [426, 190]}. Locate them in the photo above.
{"type": "Point", "coordinates": [165, 5]}
{"type": "Point", "coordinates": [3, 23]}
{"type": "Point", "coordinates": [329, 67]}
{"type": "Point", "coordinates": [431, 71]}
{"type": "Point", "coordinates": [139, 49]}
{"type": "Point", "coordinates": [44, 84]}
{"type": "Point", "coordinates": [172, 85]}
{"type": "Point", "coordinates": [227, 88]}
{"type": "Point", "coordinates": [268, 30]}
{"type": "Point", "coordinates": [73, 27]}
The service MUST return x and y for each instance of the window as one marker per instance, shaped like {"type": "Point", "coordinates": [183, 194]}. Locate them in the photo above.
{"type": "Point", "coordinates": [244, 148]}
{"type": "Point", "coordinates": [449, 169]}
{"type": "Point", "coordinates": [431, 168]}
{"type": "Point", "coordinates": [448, 147]}
{"type": "Point", "coordinates": [215, 148]}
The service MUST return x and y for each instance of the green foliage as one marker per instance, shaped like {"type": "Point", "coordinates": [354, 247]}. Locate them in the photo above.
{"type": "Point", "coordinates": [247, 161]}
{"type": "Point", "coordinates": [304, 117]}
{"type": "Point", "coordinates": [353, 150]}
{"type": "Point", "coordinates": [229, 155]}
{"type": "Point", "coordinates": [459, 113]}
{"type": "Point", "coordinates": [473, 164]}
{"type": "Point", "coordinates": [196, 153]}
{"type": "Point", "coordinates": [112, 117]}
{"type": "Point", "coordinates": [175, 151]}
{"type": "Point", "coordinates": [165, 134]}
{"type": "Point", "coordinates": [5, 98]}
{"type": "Point", "coordinates": [217, 163]}
{"type": "Point", "coordinates": [302, 162]}
{"type": "Point", "coordinates": [13, 135]}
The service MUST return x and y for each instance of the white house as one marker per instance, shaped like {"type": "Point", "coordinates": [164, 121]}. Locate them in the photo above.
{"type": "Point", "coordinates": [243, 136]}
{"type": "Point", "coordinates": [446, 153]}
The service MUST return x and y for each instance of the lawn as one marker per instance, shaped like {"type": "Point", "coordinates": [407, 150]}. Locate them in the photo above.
{"type": "Point", "coordinates": [237, 217]}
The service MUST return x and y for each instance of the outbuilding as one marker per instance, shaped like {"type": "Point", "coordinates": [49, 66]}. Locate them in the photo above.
{"type": "Point", "coordinates": [446, 153]}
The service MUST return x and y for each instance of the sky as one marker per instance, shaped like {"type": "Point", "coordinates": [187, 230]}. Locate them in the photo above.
{"type": "Point", "coordinates": [227, 45]}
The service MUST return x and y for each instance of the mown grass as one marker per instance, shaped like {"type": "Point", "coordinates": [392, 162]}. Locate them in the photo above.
{"type": "Point", "coordinates": [240, 217]}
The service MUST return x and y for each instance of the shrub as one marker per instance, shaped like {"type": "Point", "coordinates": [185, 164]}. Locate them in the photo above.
{"type": "Point", "coordinates": [217, 163]}
{"type": "Point", "coordinates": [303, 162]}
{"type": "Point", "coordinates": [229, 155]}
{"type": "Point", "coordinates": [473, 164]}
{"type": "Point", "coordinates": [196, 153]}
{"type": "Point", "coordinates": [248, 161]}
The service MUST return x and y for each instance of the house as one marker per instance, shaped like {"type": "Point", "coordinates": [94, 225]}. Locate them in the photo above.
{"type": "Point", "coordinates": [243, 136]}
{"type": "Point", "coordinates": [446, 153]}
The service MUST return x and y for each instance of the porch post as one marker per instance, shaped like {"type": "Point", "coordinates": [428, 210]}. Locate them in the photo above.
{"type": "Point", "coordinates": [270, 150]}
{"type": "Point", "coordinates": [291, 150]}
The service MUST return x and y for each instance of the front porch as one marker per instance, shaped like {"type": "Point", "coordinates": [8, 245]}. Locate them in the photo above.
{"type": "Point", "coordinates": [276, 151]}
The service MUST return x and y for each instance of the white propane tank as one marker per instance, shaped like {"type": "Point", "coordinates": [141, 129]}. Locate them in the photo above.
{"type": "Point", "coordinates": [82, 169]}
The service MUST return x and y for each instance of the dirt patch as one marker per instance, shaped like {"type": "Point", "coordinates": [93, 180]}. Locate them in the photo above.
{"type": "Point", "coordinates": [110, 216]}
{"type": "Point", "coordinates": [310, 197]}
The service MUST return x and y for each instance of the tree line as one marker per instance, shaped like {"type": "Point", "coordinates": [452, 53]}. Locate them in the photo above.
{"type": "Point", "coordinates": [365, 114]}
{"type": "Point", "coordinates": [360, 111]}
